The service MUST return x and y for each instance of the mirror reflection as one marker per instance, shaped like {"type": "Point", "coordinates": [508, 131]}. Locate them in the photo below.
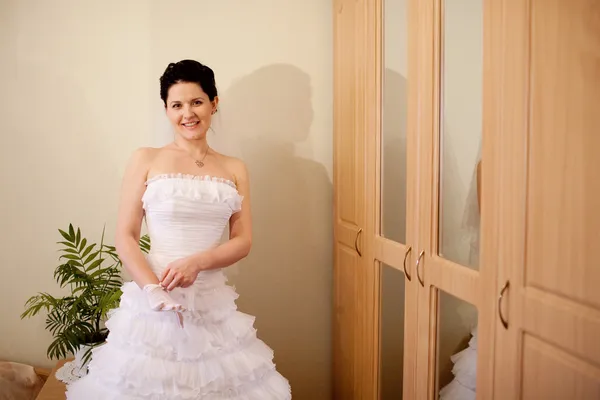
{"type": "Point", "coordinates": [460, 131]}
{"type": "Point", "coordinates": [392, 332]}
{"type": "Point", "coordinates": [456, 348]}
{"type": "Point", "coordinates": [393, 129]}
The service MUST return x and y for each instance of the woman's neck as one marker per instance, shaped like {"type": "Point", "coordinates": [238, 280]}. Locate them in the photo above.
{"type": "Point", "coordinates": [196, 148]}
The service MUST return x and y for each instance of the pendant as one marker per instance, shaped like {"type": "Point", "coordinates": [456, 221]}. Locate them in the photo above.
{"type": "Point", "coordinates": [200, 164]}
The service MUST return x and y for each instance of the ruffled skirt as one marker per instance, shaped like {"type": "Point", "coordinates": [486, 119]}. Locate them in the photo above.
{"type": "Point", "coordinates": [216, 355]}
{"type": "Point", "coordinates": [464, 384]}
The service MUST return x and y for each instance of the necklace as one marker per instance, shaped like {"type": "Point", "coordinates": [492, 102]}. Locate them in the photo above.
{"type": "Point", "coordinates": [199, 163]}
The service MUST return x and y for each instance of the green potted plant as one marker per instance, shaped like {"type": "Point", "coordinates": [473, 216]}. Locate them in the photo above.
{"type": "Point", "coordinates": [92, 272]}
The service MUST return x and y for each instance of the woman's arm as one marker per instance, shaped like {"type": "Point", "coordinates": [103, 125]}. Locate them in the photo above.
{"type": "Point", "coordinates": [240, 229]}
{"type": "Point", "coordinates": [129, 219]}
{"type": "Point", "coordinates": [183, 272]}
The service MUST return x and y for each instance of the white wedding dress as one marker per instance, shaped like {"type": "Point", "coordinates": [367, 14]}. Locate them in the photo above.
{"type": "Point", "coordinates": [464, 384]}
{"type": "Point", "coordinates": [217, 354]}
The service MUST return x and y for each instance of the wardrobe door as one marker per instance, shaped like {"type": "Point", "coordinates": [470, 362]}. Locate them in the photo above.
{"type": "Point", "coordinates": [390, 319]}
{"type": "Point", "coordinates": [548, 318]}
{"type": "Point", "coordinates": [447, 262]}
{"type": "Point", "coordinates": [349, 207]}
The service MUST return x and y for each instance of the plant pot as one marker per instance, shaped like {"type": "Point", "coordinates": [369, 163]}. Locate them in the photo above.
{"type": "Point", "coordinates": [76, 369]}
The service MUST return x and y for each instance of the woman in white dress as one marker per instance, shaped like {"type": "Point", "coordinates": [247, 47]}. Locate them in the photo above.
{"type": "Point", "coordinates": [177, 333]}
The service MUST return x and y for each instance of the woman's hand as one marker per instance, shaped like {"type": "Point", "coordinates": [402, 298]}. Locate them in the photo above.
{"type": "Point", "coordinates": [160, 300]}
{"type": "Point", "coordinates": [180, 273]}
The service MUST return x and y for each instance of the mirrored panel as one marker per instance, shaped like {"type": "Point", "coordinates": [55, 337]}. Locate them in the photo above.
{"type": "Point", "coordinates": [456, 348]}
{"type": "Point", "coordinates": [460, 130]}
{"type": "Point", "coordinates": [393, 129]}
{"type": "Point", "coordinates": [392, 333]}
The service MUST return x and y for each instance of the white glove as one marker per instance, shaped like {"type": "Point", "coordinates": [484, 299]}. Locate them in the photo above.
{"type": "Point", "coordinates": [160, 300]}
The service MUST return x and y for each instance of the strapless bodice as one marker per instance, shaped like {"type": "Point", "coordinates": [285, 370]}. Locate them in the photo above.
{"type": "Point", "coordinates": [187, 213]}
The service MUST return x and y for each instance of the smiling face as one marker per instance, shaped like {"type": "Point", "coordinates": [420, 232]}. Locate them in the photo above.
{"type": "Point", "coordinates": [190, 110]}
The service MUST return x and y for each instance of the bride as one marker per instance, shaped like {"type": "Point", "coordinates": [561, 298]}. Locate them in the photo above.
{"type": "Point", "coordinates": [177, 333]}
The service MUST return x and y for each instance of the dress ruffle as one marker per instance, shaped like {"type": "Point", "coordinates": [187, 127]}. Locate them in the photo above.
{"type": "Point", "coordinates": [204, 188]}
{"type": "Point", "coordinates": [209, 303]}
{"type": "Point", "coordinates": [272, 386]}
{"type": "Point", "coordinates": [216, 355]}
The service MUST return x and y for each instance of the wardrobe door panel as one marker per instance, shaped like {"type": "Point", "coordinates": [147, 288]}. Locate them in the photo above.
{"type": "Point", "coordinates": [548, 321]}
{"type": "Point", "coordinates": [391, 176]}
{"type": "Point", "coordinates": [452, 153]}
{"type": "Point", "coordinates": [345, 322]}
{"type": "Point", "coordinates": [349, 203]}
{"type": "Point", "coordinates": [564, 140]}
{"type": "Point", "coordinates": [348, 135]}
{"type": "Point", "coordinates": [447, 262]}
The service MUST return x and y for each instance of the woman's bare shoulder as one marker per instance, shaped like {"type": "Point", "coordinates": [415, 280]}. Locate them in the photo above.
{"type": "Point", "coordinates": [233, 164]}
{"type": "Point", "coordinates": [142, 158]}
{"type": "Point", "coordinates": [145, 155]}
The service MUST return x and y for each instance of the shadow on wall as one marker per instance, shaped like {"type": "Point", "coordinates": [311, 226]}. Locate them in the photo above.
{"type": "Point", "coordinates": [286, 281]}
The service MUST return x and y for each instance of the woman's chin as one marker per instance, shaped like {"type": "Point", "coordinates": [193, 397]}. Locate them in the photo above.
{"type": "Point", "coordinates": [192, 135]}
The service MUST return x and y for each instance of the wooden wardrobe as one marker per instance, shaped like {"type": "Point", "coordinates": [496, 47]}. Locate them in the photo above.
{"type": "Point", "coordinates": [439, 103]}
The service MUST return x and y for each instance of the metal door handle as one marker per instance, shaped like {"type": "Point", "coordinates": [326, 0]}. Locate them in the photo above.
{"type": "Point", "coordinates": [404, 264]}
{"type": "Point", "coordinates": [421, 281]}
{"type": "Point", "coordinates": [356, 242]}
{"type": "Point", "coordinates": [500, 298]}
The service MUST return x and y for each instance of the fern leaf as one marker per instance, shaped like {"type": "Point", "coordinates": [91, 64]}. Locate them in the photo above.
{"type": "Point", "coordinates": [82, 244]}
{"type": "Point", "coordinates": [67, 237]}
{"type": "Point", "coordinates": [95, 264]}
{"type": "Point", "coordinates": [91, 257]}
{"type": "Point", "coordinates": [87, 251]}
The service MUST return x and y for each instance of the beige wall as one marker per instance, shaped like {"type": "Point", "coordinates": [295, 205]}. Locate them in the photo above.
{"type": "Point", "coordinates": [80, 92]}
